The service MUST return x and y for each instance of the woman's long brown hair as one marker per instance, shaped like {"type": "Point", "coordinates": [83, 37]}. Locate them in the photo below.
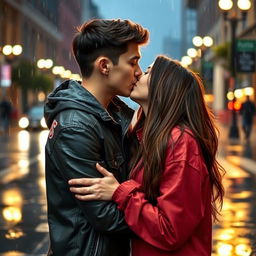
{"type": "Point", "coordinates": [176, 99]}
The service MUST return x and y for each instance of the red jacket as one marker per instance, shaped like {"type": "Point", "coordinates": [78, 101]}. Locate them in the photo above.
{"type": "Point", "coordinates": [180, 224]}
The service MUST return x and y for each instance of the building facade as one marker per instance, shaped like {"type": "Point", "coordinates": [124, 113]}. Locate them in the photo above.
{"type": "Point", "coordinates": [44, 29]}
{"type": "Point", "coordinates": [211, 22]}
{"type": "Point", "coordinates": [188, 24]}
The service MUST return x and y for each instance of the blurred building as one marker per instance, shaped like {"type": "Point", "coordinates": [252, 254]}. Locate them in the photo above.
{"type": "Point", "coordinates": [89, 10]}
{"type": "Point", "coordinates": [188, 24]}
{"type": "Point", "coordinates": [210, 22]}
{"type": "Point", "coordinates": [44, 29]}
{"type": "Point", "coordinates": [70, 14]}
{"type": "Point", "coordinates": [171, 47]}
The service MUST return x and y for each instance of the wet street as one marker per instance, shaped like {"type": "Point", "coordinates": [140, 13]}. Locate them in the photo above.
{"type": "Point", "coordinates": [23, 221]}
{"type": "Point", "coordinates": [235, 234]}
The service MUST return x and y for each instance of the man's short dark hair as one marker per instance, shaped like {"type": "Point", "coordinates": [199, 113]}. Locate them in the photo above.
{"type": "Point", "coordinates": [108, 38]}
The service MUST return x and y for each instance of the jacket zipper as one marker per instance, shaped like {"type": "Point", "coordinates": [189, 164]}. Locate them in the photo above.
{"type": "Point", "coordinates": [97, 246]}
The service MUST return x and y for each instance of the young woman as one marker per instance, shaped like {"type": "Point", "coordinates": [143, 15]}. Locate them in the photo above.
{"type": "Point", "coordinates": [175, 183]}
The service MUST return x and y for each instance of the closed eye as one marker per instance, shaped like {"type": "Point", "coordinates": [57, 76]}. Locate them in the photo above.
{"type": "Point", "coordinates": [134, 63]}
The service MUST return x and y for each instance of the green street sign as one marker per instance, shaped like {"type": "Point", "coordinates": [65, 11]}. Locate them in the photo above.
{"type": "Point", "coordinates": [208, 64]}
{"type": "Point", "coordinates": [246, 45]}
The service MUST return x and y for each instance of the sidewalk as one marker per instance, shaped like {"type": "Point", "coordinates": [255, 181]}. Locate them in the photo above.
{"type": "Point", "coordinates": [239, 152]}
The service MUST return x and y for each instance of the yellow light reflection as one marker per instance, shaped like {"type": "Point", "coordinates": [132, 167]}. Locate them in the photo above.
{"type": "Point", "coordinates": [243, 250]}
{"type": "Point", "coordinates": [226, 234]}
{"type": "Point", "coordinates": [235, 215]}
{"type": "Point", "coordinates": [42, 140]}
{"type": "Point", "coordinates": [224, 249]}
{"type": "Point", "coordinates": [23, 140]}
{"type": "Point", "coordinates": [227, 205]}
{"type": "Point", "coordinates": [242, 194]}
{"type": "Point", "coordinates": [232, 170]}
{"type": "Point", "coordinates": [41, 182]}
{"type": "Point", "coordinates": [12, 214]}
{"type": "Point", "coordinates": [241, 214]}
{"type": "Point", "coordinates": [14, 234]}
{"type": "Point", "coordinates": [13, 253]}
{"type": "Point", "coordinates": [23, 163]}
{"type": "Point", "coordinates": [12, 197]}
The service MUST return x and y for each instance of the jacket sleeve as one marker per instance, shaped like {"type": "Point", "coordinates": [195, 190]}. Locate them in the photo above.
{"type": "Point", "coordinates": [76, 152]}
{"type": "Point", "coordinates": [177, 213]}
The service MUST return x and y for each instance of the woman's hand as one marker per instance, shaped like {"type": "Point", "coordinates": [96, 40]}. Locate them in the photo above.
{"type": "Point", "coordinates": [95, 188]}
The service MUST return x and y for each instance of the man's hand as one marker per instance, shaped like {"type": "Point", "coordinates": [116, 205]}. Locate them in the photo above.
{"type": "Point", "coordinates": [87, 189]}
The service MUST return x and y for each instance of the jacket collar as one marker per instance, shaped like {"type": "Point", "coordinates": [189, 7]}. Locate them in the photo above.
{"type": "Point", "coordinates": [71, 95]}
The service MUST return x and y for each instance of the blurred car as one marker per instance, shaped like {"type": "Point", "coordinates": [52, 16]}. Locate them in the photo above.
{"type": "Point", "coordinates": [34, 119]}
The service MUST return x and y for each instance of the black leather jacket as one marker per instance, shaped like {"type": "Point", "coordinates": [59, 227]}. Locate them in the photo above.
{"type": "Point", "coordinates": [82, 133]}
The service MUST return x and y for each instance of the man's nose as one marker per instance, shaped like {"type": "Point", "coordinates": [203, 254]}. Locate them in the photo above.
{"type": "Point", "coordinates": [138, 72]}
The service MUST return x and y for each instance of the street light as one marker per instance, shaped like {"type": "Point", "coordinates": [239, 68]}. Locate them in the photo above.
{"type": "Point", "coordinates": [9, 49]}
{"type": "Point", "coordinates": [9, 53]}
{"type": "Point", "coordinates": [207, 41]}
{"type": "Point", "coordinates": [202, 43]}
{"type": "Point", "coordinates": [60, 72]}
{"type": "Point", "coordinates": [57, 70]}
{"type": "Point", "coordinates": [186, 61]}
{"type": "Point", "coordinates": [225, 6]}
{"type": "Point", "coordinates": [44, 64]}
{"type": "Point", "coordinates": [192, 52]}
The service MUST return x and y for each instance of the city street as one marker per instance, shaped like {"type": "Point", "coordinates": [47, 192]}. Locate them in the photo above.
{"type": "Point", "coordinates": [23, 221]}
{"type": "Point", "coordinates": [82, 54]}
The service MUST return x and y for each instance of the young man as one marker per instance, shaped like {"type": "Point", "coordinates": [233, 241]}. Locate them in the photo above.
{"type": "Point", "coordinates": [88, 123]}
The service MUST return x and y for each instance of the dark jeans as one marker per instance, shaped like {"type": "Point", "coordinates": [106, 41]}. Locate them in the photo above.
{"type": "Point", "coordinates": [247, 127]}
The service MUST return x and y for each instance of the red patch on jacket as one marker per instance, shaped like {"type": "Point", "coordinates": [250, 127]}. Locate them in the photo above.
{"type": "Point", "coordinates": [53, 126]}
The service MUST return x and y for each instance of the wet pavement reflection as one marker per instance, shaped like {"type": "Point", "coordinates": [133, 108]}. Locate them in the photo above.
{"type": "Point", "coordinates": [235, 234]}
{"type": "Point", "coordinates": [23, 219]}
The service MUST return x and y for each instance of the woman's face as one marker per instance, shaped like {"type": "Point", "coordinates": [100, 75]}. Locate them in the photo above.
{"type": "Point", "coordinates": [140, 91]}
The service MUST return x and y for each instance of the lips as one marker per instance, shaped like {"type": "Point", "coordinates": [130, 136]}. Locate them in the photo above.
{"type": "Point", "coordinates": [134, 82]}
{"type": "Point", "coordinates": [132, 85]}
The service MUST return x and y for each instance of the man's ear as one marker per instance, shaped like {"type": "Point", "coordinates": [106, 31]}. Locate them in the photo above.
{"type": "Point", "coordinates": [104, 65]}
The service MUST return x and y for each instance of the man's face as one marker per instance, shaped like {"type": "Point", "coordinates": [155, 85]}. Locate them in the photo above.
{"type": "Point", "coordinates": [123, 76]}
